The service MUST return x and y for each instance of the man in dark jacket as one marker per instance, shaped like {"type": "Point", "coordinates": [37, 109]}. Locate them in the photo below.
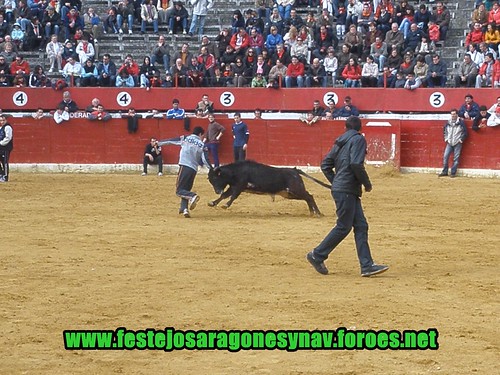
{"type": "Point", "coordinates": [344, 168]}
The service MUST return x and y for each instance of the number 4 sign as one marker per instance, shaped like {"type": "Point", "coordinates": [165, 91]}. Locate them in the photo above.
{"type": "Point", "coordinates": [123, 99]}
{"type": "Point", "coordinates": [20, 98]}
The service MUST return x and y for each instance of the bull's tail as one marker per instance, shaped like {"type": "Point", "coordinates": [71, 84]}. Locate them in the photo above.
{"type": "Point", "coordinates": [302, 173]}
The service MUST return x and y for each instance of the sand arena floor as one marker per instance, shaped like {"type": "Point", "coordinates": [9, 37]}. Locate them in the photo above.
{"type": "Point", "coordinates": [104, 251]}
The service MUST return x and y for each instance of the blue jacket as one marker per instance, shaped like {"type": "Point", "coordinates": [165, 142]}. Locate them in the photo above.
{"type": "Point", "coordinates": [240, 134]}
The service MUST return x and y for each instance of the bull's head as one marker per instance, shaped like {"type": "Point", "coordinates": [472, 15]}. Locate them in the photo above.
{"type": "Point", "coordinates": [217, 179]}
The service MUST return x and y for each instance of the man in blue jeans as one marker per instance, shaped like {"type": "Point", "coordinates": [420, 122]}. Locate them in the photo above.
{"type": "Point", "coordinates": [455, 133]}
{"type": "Point", "coordinates": [347, 158]}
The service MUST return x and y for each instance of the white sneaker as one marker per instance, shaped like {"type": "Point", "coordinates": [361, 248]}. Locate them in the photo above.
{"type": "Point", "coordinates": [193, 201]}
{"type": "Point", "coordinates": [120, 31]}
{"type": "Point", "coordinates": [130, 32]}
{"type": "Point", "coordinates": [144, 174]}
{"type": "Point", "coordinates": [170, 32]}
{"type": "Point", "coordinates": [184, 32]}
{"type": "Point", "coordinates": [186, 213]}
{"type": "Point", "coordinates": [51, 70]}
{"type": "Point", "coordinates": [160, 174]}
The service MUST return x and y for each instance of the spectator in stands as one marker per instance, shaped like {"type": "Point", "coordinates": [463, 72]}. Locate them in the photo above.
{"type": "Point", "coordinates": [378, 51]}
{"type": "Point", "coordinates": [38, 114]}
{"type": "Point", "coordinates": [51, 22]}
{"type": "Point", "coordinates": [273, 39]}
{"type": "Point", "coordinates": [178, 18]}
{"type": "Point", "coordinates": [223, 39]}
{"type": "Point", "coordinates": [237, 21]}
{"type": "Point", "coordinates": [434, 33]}
{"type": "Point", "coordinates": [88, 78]}
{"type": "Point", "coordinates": [4, 28]}
{"type": "Point", "coordinates": [347, 110]}
{"type": "Point", "coordinates": [160, 53]}
{"type": "Point", "coordinates": [257, 114]}
{"type": "Point", "coordinates": [211, 47]}
{"type": "Point", "coordinates": [476, 56]}
{"type": "Point", "coordinates": [200, 11]}
{"type": "Point", "coordinates": [106, 72]}
{"type": "Point", "coordinates": [492, 37]}
{"type": "Point", "coordinates": [241, 73]}
{"type": "Point", "coordinates": [421, 69]}
{"type": "Point", "coordinates": [240, 42]}
{"type": "Point", "coordinates": [72, 22]}
{"type": "Point", "coordinates": [441, 16]}
{"type": "Point", "coordinates": [9, 8]}
{"type": "Point", "coordinates": [17, 35]}
{"type": "Point", "coordinates": [294, 20]}
{"type": "Point", "coordinates": [476, 36]}
{"type": "Point", "coordinates": [405, 15]}
{"type": "Point", "coordinates": [484, 77]}
{"type": "Point", "coordinates": [124, 79]}
{"type": "Point", "coordinates": [412, 82]}
{"type": "Point", "coordinates": [125, 11]}
{"type": "Point", "coordinates": [366, 18]}
{"type": "Point", "coordinates": [252, 20]}
{"type": "Point", "coordinates": [207, 60]}
{"type": "Point", "coordinates": [426, 48]}
{"type": "Point", "coordinates": [316, 74]}
{"type": "Point", "coordinates": [413, 38]}
{"type": "Point", "coordinates": [263, 8]}
{"type": "Point", "coordinates": [20, 66]}
{"type": "Point", "coordinates": [132, 69]}
{"type": "Point", "coordinates": [196, 74]}
{"type": "Point", "coordinates": [54, 51]}
{"type": "Point", "coordinates": [455, 133]}
{"type": "Point", "coordinates": [85, 50]}
{"type": "Point", "coordinates": [422, 18]}
{"type": "Point", "coordinates": [394, 39]}
{"type": "Point", "coordinates": [408, 65]}
{"type": "Point", "coordinates": [354, 40]}
{"type": "Point", "coordinates": [494, 14]}
{"type": "Point", "coordinates": [466, 73]}
{"type": "Point", "coordinates": [69, 50]}
{"type": "Point", "coordinates": [72, 72]}
{"type": "Point", "coordinates": [100, 114]}
{"type": "Point", "coordinates": [163, 7]}
{"type": "Point", "coordinates": [274, 20]}
{"type": "Point", "coordinates": [480, 15]}
{"type": "Point", "coordinates": [67, 104]}
{"type": "Point", "coordinates": [354, 9]}
{"type": "Point", "coordinates": [149, 16]}
{"type": "Point", "coordinates": [387, 78]}
{"type": "Point", "coordinates": [469, 109]}
{"type": "Point", "coordinates": [146, 71]}
{"type": "Point", "coordinates": [258, 81]}
{"type": "Point", "coordinates": [369, 73]}
{"type": "Point", "coordinates": [38, 78]}
{"type": "Point", "coordinates": [183, 54]}
{"type": "Point", "coordinates": [295, 73]}
{"type": "Point", "coordinates": [330, 63]}
{"type": "Point", "coordinates": [369, 39]}
{"type": "Point", "coordinates": [23, 14]}
{"type": "Point", "coordinates": [92, 23]}
{"type": "Point", "coordinates": [256, 41]}
{"type": "Point", "coordinates": [481, 120]}
{"type": "Point", "coordinates": [61, 114]}
{"type": "Point", "coordinates": [300, 50]}
{"type": "Point", "coordinates": [352, 74]}
{"type": "Point", "coordinates": [400, 80]}
{"type": "Point", "coordinates": [4, 66]}
{"type": "Point", "coordinates": [436, 76]}
{"type": "Point", "coordinates": [179, 73]}
{"type": "Point", "coordinates": [285, 8]}
{"type": "Point", "coordinates": [324, 39]}
{"type": "Point", "coordinates": [383, 17]}
{"type": "Point", "coordinates": [277, 75]}
{"type": "Point", "coordinates": [343, 60]}
{"type": "Point", "coordinates": [484, 49]}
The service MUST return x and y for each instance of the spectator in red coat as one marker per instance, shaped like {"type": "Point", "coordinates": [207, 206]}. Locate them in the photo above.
{"type": "Point", "coordinates": [352, 74]}
{"type": "Point", "coordinates": [295, 73]}
{"type": "Point", "coordinates": [476, 35]}
{"type": "Point", "coordinates": [240, 41]}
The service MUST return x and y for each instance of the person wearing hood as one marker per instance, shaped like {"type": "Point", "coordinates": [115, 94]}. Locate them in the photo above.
{"type": "Point", "coordinates": [344, 167]}
{"type": "Point", "coordinates": [17, 35]}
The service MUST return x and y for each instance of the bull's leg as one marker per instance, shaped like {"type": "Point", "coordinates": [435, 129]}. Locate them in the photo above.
{"type": "Point", "coordinates": [313, 207]}
{"type": "Point", "coordinates": [236, 193]}
{"type": "Point", "coordinates": [223, 196]}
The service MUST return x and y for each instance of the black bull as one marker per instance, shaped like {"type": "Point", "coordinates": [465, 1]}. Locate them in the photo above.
{"type": "Point", "coordinates": [252, 177]}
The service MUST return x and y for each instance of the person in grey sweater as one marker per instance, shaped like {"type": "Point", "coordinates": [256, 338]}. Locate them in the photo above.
{"type": "Point", "coordinates": [455, 133]}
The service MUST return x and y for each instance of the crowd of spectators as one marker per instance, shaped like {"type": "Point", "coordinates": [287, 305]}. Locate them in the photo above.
{"type": "Point", "coordinates": [371, 43]}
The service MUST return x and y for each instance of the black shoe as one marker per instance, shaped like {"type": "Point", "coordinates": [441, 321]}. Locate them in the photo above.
{"type": "Point", "coordinates": [453, 175]}
{"type": "Point", "coordinates": [443, 174]}
{"type": "Point", "coordinates": [317, 264]}
{"type": "Point", "coordinates": [374, 270]}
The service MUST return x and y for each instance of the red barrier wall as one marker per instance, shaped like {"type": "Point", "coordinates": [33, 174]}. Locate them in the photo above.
{"type": "Point", "coordinates": [247, 99]}
{"type": "Point", "coordinates": [407, 143]}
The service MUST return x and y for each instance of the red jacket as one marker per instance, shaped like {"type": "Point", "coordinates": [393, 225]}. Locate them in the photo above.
{"type": "Point", "coordinates": [474, 37]}
{"type": "Point", "coordinates": [244, 43]}
{"type": "Point", "coordinates": [15, 67]}
{"type": "Point", "coordinates": [295, 70]}
{"type": "Point", "coordinates": [351, 72]}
